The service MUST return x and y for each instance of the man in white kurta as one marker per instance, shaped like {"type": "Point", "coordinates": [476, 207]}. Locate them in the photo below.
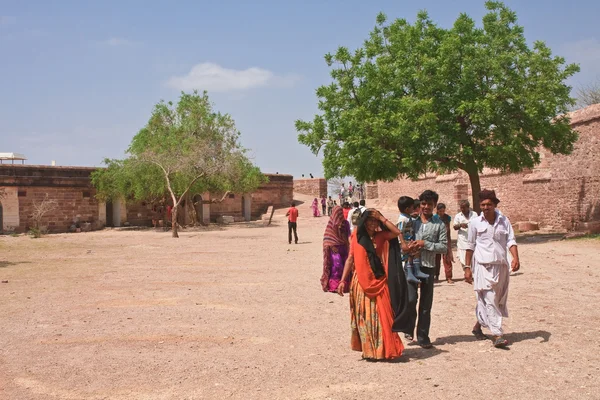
{"type": "Point", "coordinates": [461, 225]}
{"type": "Point", "coordinates": [489, 236]}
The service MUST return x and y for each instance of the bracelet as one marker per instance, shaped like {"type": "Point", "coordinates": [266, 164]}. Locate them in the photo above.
{"type": "Point", "coordinates": [467, 266]}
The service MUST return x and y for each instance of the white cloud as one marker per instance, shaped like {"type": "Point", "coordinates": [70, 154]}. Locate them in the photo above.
{"type": "Point", "coordinates": [214, 78]}
{"type": "Point", "coordinates": [115, 41]}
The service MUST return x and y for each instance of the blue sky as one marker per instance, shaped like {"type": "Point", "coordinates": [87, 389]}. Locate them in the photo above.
{"type": "Point", "coordinates": [79, 78]}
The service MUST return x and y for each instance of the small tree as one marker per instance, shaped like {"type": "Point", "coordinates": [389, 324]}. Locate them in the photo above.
{"type": "Point", "coordinates": [589, 94]}
{"type": "Point", "coordinates": [40, 209]}
{"type": "Point", "coordinates": [182, 149]}
{"type": "Point", "coordinates": [419, 98]}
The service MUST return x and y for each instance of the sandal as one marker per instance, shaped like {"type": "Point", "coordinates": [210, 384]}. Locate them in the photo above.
{"type": "Point", "coordinates": [500, 343]}
{"type": "Point", "coordinates": [479, 335]}
{"type": "Point", "coordinates": [408, 336]}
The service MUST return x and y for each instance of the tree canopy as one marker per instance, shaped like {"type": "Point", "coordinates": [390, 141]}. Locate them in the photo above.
{"type": "Point", "coordinates": [184, 148]}
{"type": "Point", "coordinates": [418, 98]}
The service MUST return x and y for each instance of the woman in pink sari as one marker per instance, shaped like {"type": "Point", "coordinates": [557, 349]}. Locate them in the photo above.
{"type": "Point", "coordinates": [315, 208]}
{"type": "Point", "coordinates": [336, 245]}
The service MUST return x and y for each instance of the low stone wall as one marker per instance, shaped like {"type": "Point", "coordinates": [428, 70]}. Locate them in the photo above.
{"type": "Point", "coordinates": [277, 192]}
{"type": "Point", "coordinates": [71, 188]}
{"type": "Point", "coordinates": [316, 187]}
{"type": "Point", "coordinates": [28, 185]}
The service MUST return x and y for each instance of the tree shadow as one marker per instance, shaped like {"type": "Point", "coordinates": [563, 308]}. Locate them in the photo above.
{"type": "Point", "coordinates": [5, 264]}
{"type": "Point", "coordinates": [539, 238]}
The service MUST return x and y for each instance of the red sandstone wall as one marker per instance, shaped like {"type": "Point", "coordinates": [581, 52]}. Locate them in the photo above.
{"type": "Point", "coordinates": [72, 207]}
{"type": "Point", "coordinates": [316, 187]}
{"type": "Point", "coordinates": [278, 192]}
{"type": "Point", "coordinates": [559, 193]}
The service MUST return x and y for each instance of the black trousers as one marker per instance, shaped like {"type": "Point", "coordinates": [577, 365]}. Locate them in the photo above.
{"type": "Point", "coordinates": [424, 312]}
{"type": "Point", "coordinates": [292, 226]}
{"type": "Point", "coordinates": [323, 208]}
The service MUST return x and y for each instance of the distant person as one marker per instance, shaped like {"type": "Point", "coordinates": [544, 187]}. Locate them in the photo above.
{"type": "Point", "coordinates": [350, 190]}
{"type": "Point", "coordinates": [324, 205]}
{"type": "Point", "coordinates": [292, 215]}
{"type": "Point", "coordinates": [315, 208]}
{"type": "Point", "coordinates": [490, 234]}
{"type": "Point", "coordinates": [362, 205]}
{"type": "Point", "coordinates": [352, 216]}
{"type": "Point", "coordinates": [461, 225]}
{"type": "Point", "coordinates": [330, 205]}
{"type": "Point", "coordinates": [347, 207]}
{"type": "Point", "coordinates": [336, 246]}
{"type": "Point", "coordinates": [447, 258]}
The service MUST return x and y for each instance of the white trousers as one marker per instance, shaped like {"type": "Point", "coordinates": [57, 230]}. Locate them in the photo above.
{"type": "Point", "coordinates": [490, 282]}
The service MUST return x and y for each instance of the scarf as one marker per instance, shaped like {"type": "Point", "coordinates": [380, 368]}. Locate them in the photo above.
{"type": "Point", "coordinates": [365, 241]}
{"type": "Point", "coordinates": [336, 234]}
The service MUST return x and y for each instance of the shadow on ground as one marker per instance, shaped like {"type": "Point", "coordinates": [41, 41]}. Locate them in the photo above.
{"type": "Point", "coordinates": [5, 264]}
{"type": "Point", "coordinates": [514, 337]}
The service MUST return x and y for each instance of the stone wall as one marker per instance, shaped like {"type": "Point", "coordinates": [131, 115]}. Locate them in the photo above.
{"type": "Point", "coordinates": [278, 192]}
{"type": "Point", "coordinates": [560, 193]}
{"type": "Point", "coordinates": [69, 187]}
{"type": "Point", "coordinates": [316, 187]}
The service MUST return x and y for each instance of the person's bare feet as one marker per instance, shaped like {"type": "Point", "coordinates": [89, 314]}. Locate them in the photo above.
{"type": "Point", "coordinates": [450, 281]}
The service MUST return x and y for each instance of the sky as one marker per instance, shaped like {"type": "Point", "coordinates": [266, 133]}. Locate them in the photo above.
{"type": "Point", "coordinates": [78, 79]}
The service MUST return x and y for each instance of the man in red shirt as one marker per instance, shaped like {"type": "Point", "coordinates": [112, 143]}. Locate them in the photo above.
{"type": "Point", "coordinates": [292, 215]}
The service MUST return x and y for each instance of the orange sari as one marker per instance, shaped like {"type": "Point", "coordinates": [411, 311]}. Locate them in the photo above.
{"type": "Point", "coordinates": [370, 305]}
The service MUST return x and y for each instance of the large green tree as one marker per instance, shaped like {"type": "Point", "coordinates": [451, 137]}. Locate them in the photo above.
{"type": "Point", "coordinates": [418, 98]}
{"type": "Point", "coordinates": [184, 148]}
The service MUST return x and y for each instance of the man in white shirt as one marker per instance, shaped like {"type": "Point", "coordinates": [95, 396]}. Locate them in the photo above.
{"type": "Point", "coordinates": [355, 206]}
{"type": "Point", "coordinates": [486, 265]}
{"type": "Point", "coordinates": [461, 224]}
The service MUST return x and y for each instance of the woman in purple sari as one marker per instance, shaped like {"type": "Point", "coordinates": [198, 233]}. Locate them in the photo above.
{"type": "Point", "coordinates": [335, 250]}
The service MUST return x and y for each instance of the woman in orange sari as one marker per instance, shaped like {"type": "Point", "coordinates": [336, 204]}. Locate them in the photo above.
{"type": "Point", "coordinates": [372, 317]}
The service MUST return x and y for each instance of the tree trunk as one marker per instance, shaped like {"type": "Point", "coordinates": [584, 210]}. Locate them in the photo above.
{"type": "Point", "coordinates": [174, 222]}
{"type": "Point", "coordinates": [473, 173]}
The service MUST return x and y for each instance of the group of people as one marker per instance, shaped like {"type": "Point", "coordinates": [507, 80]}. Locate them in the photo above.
{"type": "Point", "coordinates": [386, 267]}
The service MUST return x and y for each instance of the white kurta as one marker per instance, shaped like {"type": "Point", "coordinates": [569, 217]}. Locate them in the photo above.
{"type": "Point", "coordinates": [491, 271]}
{"type": "Point", "coordinates": [462, 241]}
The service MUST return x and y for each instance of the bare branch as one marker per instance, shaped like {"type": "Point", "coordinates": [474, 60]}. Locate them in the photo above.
{"type": "Point", "coordinates": [589, 94]}
{"type": "Point", "coordinates": [40, 209]}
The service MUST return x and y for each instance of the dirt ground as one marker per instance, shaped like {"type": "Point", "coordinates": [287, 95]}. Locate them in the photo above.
{"type": "Point", "coordinates": [238, 313]}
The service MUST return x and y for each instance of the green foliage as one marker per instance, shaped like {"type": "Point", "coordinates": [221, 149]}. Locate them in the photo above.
{"type": "Point", "coordinates": [418, 98]}
{"type": "Point", "coordinates": [184, 148]}
{"type": "Point", "coordinates": [35, 233]}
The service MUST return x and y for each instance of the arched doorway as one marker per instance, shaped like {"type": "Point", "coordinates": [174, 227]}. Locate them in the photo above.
{"type": "Point", "coordinates": [1, 219]}
{"type": "Point", "coordinates": [197, 200]}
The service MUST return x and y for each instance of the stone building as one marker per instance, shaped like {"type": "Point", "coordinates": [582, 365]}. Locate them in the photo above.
{"type": "Point", "coordinates": [562, 192]}
{"type": "Point", "coordinates": [26, 186]}
{"type": "Point", "coordinates": [316, 187]}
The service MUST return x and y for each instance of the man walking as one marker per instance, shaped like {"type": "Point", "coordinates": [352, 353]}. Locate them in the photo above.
{"type": "Point", "coordinates": [330, 205]}
{"type": "Point", "coordinates": [292, 215]}
{"type": "Point", "coordinates": [490, 234]}
{"type": "Point", "coordinates": [461, 225]}
{"type": "Point", "coordinates": [431, 239]}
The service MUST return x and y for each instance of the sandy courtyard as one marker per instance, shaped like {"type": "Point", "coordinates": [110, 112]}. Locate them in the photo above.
{"type": "Point", "coordinates": [238, 313]}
